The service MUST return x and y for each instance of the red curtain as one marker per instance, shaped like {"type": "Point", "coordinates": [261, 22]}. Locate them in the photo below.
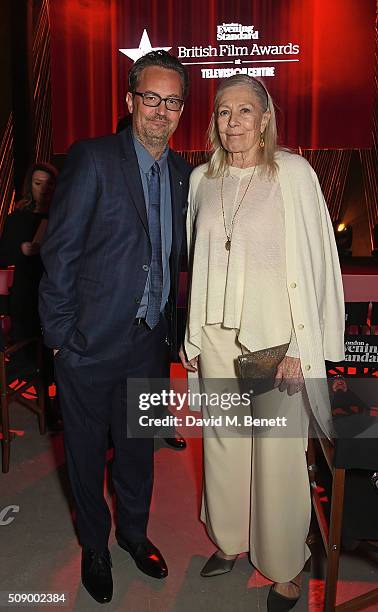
{"type": "Point", "coordinates": [324, 100]}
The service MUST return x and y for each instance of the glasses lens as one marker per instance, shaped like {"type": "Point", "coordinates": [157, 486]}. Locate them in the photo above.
{"type": "Point", "coordinates": [173, 104]}
{"type": "Point", "coordinates": [151, 99]}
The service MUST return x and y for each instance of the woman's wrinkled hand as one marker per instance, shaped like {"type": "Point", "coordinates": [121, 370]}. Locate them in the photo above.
{"type": "Point", "coordinates": [289, 375]}
{"type": "Point", "coordinates": [190, 365]}
{"type": "Point", "coordinates": [30, 248]}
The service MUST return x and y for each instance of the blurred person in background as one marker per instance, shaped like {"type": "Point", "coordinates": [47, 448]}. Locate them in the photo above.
{"type": "Point", "coordinates": [20, 247]}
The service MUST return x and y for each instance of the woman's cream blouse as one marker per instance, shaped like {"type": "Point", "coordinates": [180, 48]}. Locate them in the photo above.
{"type": "Point", "coordinates": [244, 288]}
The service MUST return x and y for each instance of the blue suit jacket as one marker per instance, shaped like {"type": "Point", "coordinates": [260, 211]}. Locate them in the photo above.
{"type": "Point", "coordinates": [97, 249]}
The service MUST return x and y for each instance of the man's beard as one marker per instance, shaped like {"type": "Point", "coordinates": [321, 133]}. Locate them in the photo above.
{"type": "Point", "coordinates": [153, 135]}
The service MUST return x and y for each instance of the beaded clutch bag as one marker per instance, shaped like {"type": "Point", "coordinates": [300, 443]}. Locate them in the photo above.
{"type": "Point", "coordinates": [260, 367]}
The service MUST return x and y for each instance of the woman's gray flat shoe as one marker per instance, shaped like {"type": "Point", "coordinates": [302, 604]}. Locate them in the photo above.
{"type": "Point", "coordinates": [216, 565]}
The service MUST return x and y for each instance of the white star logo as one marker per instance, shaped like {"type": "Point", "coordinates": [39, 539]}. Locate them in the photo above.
{"type": "Point", "coordinates": [144, 47]}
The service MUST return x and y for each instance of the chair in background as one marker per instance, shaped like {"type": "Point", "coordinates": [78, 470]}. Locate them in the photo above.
{"type": "Point", "coordinates": [374, 319]}
{"type": "Point", "coordinates": [331, 529]}
{"type": "Point", "coordinates": [13, 385]}
{"type": "Point", "coordinates": [356, 315]}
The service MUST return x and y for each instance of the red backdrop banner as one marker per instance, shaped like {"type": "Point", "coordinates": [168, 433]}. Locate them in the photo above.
{"type": "Point", "coordinates": [315, 56]}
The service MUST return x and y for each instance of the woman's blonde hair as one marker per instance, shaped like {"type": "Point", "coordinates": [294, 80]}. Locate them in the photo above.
{"type": "Point", "coordinates": [218, 163]}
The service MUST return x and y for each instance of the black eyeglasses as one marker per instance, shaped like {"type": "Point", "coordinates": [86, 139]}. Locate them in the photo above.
{"type": "Point", "coordinates": [153, 99]}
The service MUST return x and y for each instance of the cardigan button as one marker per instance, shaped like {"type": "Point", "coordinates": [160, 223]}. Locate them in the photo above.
{"type": "Point", "coordinates": [293, 285]}
{"type": "Point", "coordinates": [307, 367]}
{"type": "Point", "coordinates": [300, 326]}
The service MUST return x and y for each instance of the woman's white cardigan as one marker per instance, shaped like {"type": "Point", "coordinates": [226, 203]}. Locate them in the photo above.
{"type": "Point", "coordinates": [313, 278]}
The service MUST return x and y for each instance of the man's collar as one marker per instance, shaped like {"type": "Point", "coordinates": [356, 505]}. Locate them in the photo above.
{"type": "Point", "coordinates": [146, 160]}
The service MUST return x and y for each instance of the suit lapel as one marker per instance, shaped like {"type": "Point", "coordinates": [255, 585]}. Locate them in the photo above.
{"type": "Point", "coordinates": [131, 174]}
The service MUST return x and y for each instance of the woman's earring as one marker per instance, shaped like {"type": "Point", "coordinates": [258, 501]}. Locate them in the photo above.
{"type": "Point", "coordinates": [262, 141]}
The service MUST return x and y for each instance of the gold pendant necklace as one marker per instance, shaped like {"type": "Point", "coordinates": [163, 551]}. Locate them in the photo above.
{"type": "Point", "coordinates": [229, 235]}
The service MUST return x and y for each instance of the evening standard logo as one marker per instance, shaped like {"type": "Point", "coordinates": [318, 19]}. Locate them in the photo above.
{"type": "Point", "coordinates": [357, 351]}
{"type": "Point", "coordinates": [236, 31]}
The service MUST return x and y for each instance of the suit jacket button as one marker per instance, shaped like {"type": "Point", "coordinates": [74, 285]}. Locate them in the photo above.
{"type": "Point", "coordinates": [137, 300]}
{"type": "Point", "coordinates": [146, 267]}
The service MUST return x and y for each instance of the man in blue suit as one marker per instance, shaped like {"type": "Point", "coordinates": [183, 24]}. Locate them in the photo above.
{"type": "Point", "coordinates": [108, 306]}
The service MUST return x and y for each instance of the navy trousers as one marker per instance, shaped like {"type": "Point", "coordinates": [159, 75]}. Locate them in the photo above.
{"type": "Point", "coordinates": [93, 398]}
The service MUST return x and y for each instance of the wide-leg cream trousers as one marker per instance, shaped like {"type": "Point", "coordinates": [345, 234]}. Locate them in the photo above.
{"type": "Point", "coordinates": [256, 494]}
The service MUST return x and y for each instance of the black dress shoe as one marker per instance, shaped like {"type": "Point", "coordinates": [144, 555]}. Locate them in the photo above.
{"type": "Point", "coordinates": [177, 442]}
{"type": "Point", "coordinates": [96, 574]}
{"type": "Point", "coordinates": [147, 557]}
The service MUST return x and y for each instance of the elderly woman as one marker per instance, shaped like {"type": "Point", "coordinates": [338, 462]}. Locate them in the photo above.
{"type": "Point", "coordinates": [264, 272]}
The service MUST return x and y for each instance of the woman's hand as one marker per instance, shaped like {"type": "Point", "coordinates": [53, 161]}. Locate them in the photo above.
{"type": "Point", "coordinates": [289, 375]}
{"type": "Point", "coordinates": [30, 248]}
{"type": "Point", "coordinates": [191, 365]}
